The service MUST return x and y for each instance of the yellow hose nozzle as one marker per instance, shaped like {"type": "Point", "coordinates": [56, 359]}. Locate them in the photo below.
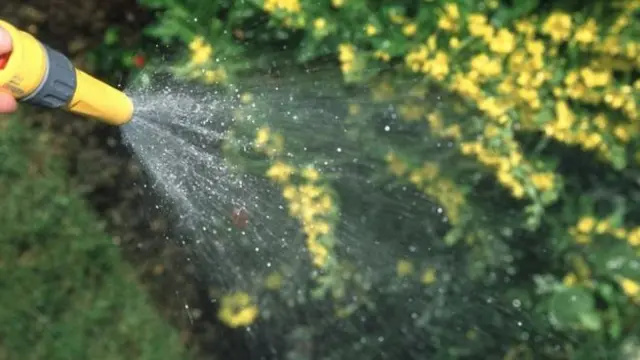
{"type": "Point", "coordinates": [39, 75]}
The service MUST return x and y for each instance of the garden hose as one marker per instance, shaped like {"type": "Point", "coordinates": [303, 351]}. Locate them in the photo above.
{"type": "Point", "coordinates": [39, 75]}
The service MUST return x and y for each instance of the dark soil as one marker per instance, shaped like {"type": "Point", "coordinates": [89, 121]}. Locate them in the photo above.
{"type": "Point", "coordinates": [107, 174]}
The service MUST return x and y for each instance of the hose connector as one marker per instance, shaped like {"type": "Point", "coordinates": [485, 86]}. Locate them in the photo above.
{"type": "Point", "coordinates": [39, 75]}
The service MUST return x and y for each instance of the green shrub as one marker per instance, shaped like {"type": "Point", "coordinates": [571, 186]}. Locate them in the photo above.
{"type": "Point", "coordinates": [518, 119]}
{"type": "Point", "coordinates": [66, 292]}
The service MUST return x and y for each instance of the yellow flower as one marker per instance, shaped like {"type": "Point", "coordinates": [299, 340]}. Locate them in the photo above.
{"type": "Point", "coordinates": [587, 33]}
{"type": "Point", "coordinates": [311, 174]}
{"type": "Point", "coordinates": [319, 23]}
{"type": "Point", "coordinates": [319, 253]}
{"type": "Point", "coordinates": [565, 118]}
{"type": "Point", "coordinates": [451, 9]}
{"type": "Point", "coordinates": [273, 281]}
{"type": "Point", "coordinates": [236, 310]}
{"type": "Point", "coordinates": [542, 181]}
{"type": "Point", "coordinates": [382, 55]}
{"type": "Point", "coordinates": [196, 43]}
{"type": "Point", "coordinates": [346, 53]}
{"type": "Point", "coordinates": [337, 3]}
{"type": "Point", "coordinates": [478, 26]}
{"type": "Point", "coordinates": [622, 133]}
{"type": "Point", "coordinates": [439, 66]}
{"type": "Point", "coordinates": [449, 19]}
{"type": "Point", "coordinates": [570, 279]}
{"type": "Point", "coordinates": [634, 237]}
{"type": "Point", "coordinates": [291, 6]}
{"type": "Point", "coordinates": [592, 78]}
{"type": "Point", "coordinates": [213, 76]}
{"type": "Point", "coordinates": [280, 172]}
{"type": "Point", "coordinates": [558, 26]}
{"type": "Point", "coordinates": [289, 192]}
{"type": "Point", "coordinates": [396, 166]}
{"type": "Point", "coordinates": [396, 17]}
{"type": "Point", "coordinates": [371, 30]}
{"type": "Point", "coordinates": [586, 224]}
{"type": "Point", "coordinates": [246, 98]}
{"type": "Point", "coordinates": [200, 51]}
{"type": "Point", "coordinates": [535, 47]}
{"type": "Point", "coordinates": [485, 66]}
{"type": "Point", "coordinates": [525, 27]}
{"type": "Point", "coordinates": [603, 227]}
{"type": "Point", "coordinates": [503, 43]}
{"type": "Point", "coordinates": [630, 287]}
{"type": "Point", "coordinates": [409, 29]}
{"type": "Point", "coordinates": [429, 276]}
{"type": "Point", "coordinates": [404, 267]}
{"type": "Point", "coordinates": [262, 136]}
{"type": "Point", "coordinates": [454, 43]}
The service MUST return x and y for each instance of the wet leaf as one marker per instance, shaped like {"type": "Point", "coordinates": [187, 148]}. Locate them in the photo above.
{"type": "Point", "coordinates": [574, 307]}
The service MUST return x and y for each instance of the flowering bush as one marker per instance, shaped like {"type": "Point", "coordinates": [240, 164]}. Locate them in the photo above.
{"type": "Point", "coordinates": [518, 120]}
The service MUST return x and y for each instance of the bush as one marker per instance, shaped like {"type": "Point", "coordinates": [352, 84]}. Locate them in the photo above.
{"type": "Point", "coordinates": [66, 292]}
{"type": "Point", "coordinates": [467, 192]}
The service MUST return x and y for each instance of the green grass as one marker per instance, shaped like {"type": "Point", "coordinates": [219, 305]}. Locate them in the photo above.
{"type": "Point", "coordinates": [65, 291]}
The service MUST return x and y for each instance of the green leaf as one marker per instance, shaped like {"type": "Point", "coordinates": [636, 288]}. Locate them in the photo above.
{"type": "Point", "coordinates": [111, 36]}
{"type": "Point", "coordinates": [505, 14]}
{"type": "Point", "coordinates": [618, 157]}
{"type": "Point", "coordinates": [615, 259]}
{"type": "Point", "coordinates": [574, 307]}
{"type": "Point", "coordinates": [591, 321]}
{"type": "Point", "coordinates": [545, 115]}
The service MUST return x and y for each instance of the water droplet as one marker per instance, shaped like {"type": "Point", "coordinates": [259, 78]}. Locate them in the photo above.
{"type": "Point", "coordinates": [387, 128]}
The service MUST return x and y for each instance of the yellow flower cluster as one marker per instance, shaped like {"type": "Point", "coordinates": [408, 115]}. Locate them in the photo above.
{"type": "Point", "coordinates": [405, 268]}
{"type": "Point", "coordinates": [438, 128]}
{"type": "Point", "coordinates": [347, 57]}
{"type": "Point", "coordinates": [511, 78]}
{"type": "Point", "coordinates": [589, 226]}
{"type": "Point", "coordinates": [428, 179]}
{"type": "Point", "coordinates": [309, 202]}
{"type": "Point", "coordinates": [449, 18]}
{"type": "Point", "coordinates": [593, 85]}
{"type": "Point", "coordinates": [583, 232]}
{"type": "Point", "coordinates": [509, 163]}
{"type": "Point", "coordinates": [237, 310]}
{"type": "Point", "coordinates": [337, 3]}
{"type": "Point", "coordinates": [587, 132]}
{"type": "Point", "coordinates": [216, 76]}
{"type": "Point", "coordinates": [428, 60]}
{"type": "Point", "coordinates": [268, 142]}
{"type": "Point", "coordinates": [200, 51]}
{"type": "Point", "coordinates": [631, 288]}
{"type": "Point", "coordinates": [290, 6]}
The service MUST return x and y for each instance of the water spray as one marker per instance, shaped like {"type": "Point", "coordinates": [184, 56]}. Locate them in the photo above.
{"type": "Point", "coordinates": [39, 75]}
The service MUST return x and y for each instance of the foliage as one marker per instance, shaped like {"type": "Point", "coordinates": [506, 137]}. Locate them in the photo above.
{"type": "Point", "coordinates": [118, 57]}
{"type": "Point", "coordinates": [518, 119]}
{"type": "Point", "coordinates": [66, 292]}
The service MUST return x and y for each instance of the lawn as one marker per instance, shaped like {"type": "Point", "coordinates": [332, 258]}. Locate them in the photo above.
{"type": "Point", "coordinates": [66, 291]}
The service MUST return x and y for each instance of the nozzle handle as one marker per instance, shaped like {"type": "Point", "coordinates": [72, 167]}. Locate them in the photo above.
{"type": "Point", "coordinates": [59, 83]}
